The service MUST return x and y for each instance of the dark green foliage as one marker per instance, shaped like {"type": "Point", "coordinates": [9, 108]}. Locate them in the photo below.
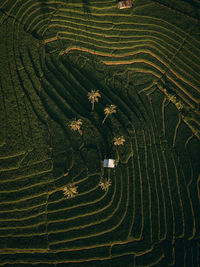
{"type": "Point", "coordinates": [144, 60]}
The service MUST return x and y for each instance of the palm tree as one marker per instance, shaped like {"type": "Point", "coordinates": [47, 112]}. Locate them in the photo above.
{"type": "Point", "coordinates": [70, 190]}
{"type": "Point", "coordinates": [109, 110]}
{"type": "Point", "coordinates": [93, 97]}
{"type": "Point", "coordinates": [75, 125]}
{"type": "Point", "coordinates": [119, 140]}
{"type": "Point", "coordinates": [105, 184]}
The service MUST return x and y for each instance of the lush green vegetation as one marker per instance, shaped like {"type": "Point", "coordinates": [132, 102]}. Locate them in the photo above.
{"type": "Point", "coordinates": [146, 62]}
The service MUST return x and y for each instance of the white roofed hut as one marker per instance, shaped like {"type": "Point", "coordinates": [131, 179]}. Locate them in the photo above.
{"type": "Point", "coordinates": [109, 163]}
{"type": "Point", "coordinates": [125, 4]}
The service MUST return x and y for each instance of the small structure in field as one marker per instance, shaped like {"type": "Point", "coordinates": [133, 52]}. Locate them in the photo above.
{"type": "Point", "coordinates": [125, 4]}
{"type": "Point", "coordinates": [109, 163]}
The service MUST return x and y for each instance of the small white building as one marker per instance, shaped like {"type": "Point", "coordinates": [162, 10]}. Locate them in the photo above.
{"type": "Point", "coordinates": [125, 4]}
{"type": "Point", "coordinates": [109, 163]}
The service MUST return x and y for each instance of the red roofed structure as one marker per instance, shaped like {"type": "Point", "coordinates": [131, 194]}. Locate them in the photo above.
{"type": "Point", "coordinates": [125, 4]}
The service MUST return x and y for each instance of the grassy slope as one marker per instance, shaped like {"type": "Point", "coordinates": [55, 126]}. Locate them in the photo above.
{"type": "Point", "coordinates": [145, 61]}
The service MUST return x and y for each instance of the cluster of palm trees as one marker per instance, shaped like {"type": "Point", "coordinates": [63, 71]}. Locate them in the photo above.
{"type": "Point", "coordinates": [93, 97]}
{"type": "Point", "coordinates": [70, 190]}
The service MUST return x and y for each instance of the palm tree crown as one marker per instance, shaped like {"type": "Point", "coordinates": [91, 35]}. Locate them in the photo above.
{"type": "Point", "coordinates": [75, 125]}
{"type": "Point", "coordinates": [70, 190]}
{"type": "Point", "coordinates": [109, 110]}
{"type": "Point", "coordinates": [119, 140]}
{"type": "Point", "coordinates": [93, 97]}
{"type": "Point", "coordinates": [105, 184]}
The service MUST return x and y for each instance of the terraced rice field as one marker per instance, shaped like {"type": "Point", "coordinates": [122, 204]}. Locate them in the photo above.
{"type": "Point", "coordinates": [146, 61]}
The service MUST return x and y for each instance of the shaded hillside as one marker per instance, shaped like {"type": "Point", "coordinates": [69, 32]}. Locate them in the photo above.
{"type": "Point", "coordinates": [146, 61]}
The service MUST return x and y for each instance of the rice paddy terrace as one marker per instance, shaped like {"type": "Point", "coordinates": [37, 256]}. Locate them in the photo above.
{"type": "Point", "coordinates": [146, 61]}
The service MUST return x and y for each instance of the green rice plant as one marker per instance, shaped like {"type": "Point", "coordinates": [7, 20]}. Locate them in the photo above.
{"type": "Point", "coordinates": [144, 60]}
